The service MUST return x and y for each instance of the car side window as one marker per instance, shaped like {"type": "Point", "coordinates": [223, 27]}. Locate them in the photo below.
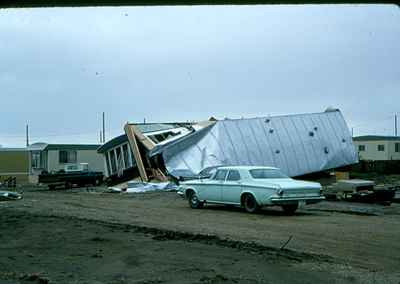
{"type": "Point", "coordinates": [220, 175]}
{"type": "Point", "coordinates": [233, 175]}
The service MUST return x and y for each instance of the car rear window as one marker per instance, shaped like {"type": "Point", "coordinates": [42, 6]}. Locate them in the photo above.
{"type": "Point", "coordinates": [266, 173]}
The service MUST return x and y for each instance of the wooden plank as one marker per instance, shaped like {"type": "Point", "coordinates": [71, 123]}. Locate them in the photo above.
{"type": "Point", "coordinates": [158, 174]}
{"type": "Point", "coordinates": [146, 142]}
{"type": "Point", "coordinates": [129, 131]}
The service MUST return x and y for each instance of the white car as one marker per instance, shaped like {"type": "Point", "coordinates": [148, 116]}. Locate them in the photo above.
{"type": "Point", "coordinates": [251, 188]}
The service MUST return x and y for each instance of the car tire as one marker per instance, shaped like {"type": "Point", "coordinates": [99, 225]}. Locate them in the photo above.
{"type": "Point", "coordinates": [290, 208]}
{"type": "Point", "coordinates": [194, 201]}
{"type": "Point", "coordinates": [250, 203]}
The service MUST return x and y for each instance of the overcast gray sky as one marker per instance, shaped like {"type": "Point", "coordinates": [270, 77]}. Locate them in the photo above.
{"type": "Point", "coordinates": [61, 67]}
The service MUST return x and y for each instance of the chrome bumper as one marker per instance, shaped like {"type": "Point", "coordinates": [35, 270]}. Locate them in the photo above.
{"type": "Point", "coordinates": [288, 200]}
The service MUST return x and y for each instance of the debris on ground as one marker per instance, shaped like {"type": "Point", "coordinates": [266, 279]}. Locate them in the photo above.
{"type": "Point", "coordinates": [139, 187]}
{"type": "Point", "coordinates": [9, 195]}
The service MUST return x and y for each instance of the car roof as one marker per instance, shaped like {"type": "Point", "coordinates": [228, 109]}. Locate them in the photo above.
{"type": "Point", "coordinates": [246, 168]}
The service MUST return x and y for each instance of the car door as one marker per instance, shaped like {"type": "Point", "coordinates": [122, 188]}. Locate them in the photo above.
{"type": "Point", "coordinates": [232, 187]}
{"type": "Point", "coordinates": [212, 190]}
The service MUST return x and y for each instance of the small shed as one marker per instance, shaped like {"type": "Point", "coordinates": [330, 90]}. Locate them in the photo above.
{"type": "Point", "coordinates": [14, 163]}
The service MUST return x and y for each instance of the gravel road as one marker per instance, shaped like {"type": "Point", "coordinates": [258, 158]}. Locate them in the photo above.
{"type": "Point", "coordinates": [81, 236]}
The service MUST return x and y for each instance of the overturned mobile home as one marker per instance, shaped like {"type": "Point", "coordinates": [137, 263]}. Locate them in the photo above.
{"type": "Point", "coordinates": [297, 144]}
{"type": "Point", "coordinates": [121, 163]}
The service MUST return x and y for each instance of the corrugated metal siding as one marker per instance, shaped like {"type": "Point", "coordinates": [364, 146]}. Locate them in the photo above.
{"type": "Point", "coordinates": [297, 144]}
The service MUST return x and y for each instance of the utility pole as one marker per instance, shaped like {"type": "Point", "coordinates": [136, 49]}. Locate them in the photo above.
{"type": "Point", "coordinates": [101, 138]}
{"type": "Point", "coordinates": [352, 132]}
{"type": "Point", "coordinates": [27, 135]}
{"type": "Point", "coordinates": [395, 125]}
{"type": "Point", "coordinates": [104, 128]}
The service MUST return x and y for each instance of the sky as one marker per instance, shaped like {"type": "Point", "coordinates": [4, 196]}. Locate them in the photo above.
{"type": "Point", "coordinates": [60, 68]}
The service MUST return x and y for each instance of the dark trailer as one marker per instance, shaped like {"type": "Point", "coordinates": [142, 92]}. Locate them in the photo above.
{"type": "Point", "coordinates": [74, 175]}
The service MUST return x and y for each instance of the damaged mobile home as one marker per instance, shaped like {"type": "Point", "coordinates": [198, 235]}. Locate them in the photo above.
{"type": "Point", "coordinates": [297, 144]}
{"type": "Point", "coordinates": [120, 162]}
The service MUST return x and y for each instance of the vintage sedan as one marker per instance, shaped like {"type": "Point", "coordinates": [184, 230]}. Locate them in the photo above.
{"type": "Point", "coordinates": [251, 188]}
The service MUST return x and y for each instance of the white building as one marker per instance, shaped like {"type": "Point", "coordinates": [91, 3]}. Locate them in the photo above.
{"type": "Point", "coordinates": [377, 148]}
{"type": "Point", "coordinates": [54, 157]}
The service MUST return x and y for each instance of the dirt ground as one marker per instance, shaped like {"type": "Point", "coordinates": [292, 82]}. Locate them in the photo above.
{"type": "Point", "coordinates": [89, 236]}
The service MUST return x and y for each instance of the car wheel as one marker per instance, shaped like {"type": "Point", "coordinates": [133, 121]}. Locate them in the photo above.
{"type": "Point", "coordinates": [194, 201]}
{"type": "Point", "coordinates": [250, 203]}
{"type": "Point", "coordinates": [290, 209]}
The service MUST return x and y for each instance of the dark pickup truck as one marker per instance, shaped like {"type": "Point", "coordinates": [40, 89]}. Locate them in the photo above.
{"type": "Point", "coordinates": [68, 179]}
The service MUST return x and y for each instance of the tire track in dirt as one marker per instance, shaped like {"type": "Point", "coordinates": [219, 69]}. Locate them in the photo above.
{"type": "Point", "coordinates": [273, 253]}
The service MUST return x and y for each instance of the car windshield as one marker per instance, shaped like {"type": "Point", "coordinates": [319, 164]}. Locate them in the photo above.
{"type": "Point", "coordinates": [267, 173]}
{"type": "Point", "coordinates": [210, 171]}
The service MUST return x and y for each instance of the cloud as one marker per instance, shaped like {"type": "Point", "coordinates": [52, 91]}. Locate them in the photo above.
{"type": "Point", "coordinates": [61, 67]}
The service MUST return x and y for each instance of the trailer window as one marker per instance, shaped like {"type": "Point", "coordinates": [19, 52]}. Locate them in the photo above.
{"type": "Point", "coordinates": [67, 157]}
